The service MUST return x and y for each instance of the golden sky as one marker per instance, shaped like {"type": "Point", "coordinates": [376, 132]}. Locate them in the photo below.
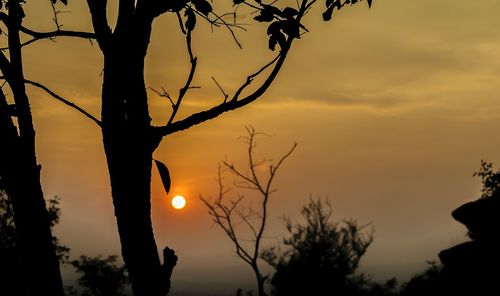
{"type": "Point", "coordinates": [393, 109]}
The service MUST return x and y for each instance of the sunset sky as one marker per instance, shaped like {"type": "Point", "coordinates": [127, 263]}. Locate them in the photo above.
{"type": "Point", "coordinates": [392, 109]}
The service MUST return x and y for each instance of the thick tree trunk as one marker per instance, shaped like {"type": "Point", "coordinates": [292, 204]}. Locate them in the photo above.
{"type": "Point", "coordinates": [21, 177]}
{"type": "Point", "coordinates": [128, 146]}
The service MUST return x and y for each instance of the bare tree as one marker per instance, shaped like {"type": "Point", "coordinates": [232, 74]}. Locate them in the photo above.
{"type": "Point", "coordinates": [230, 214]}
{"type": "Point", "coordinates": [129, 137]}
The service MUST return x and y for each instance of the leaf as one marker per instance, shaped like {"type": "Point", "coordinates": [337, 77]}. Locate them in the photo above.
{"type": "Point", "coordinates": [274, 28]}
{"type": "Point", "coordinates": [164, 175]}
{"type": "Point", "coordinates": [272, 9]}
{"type": "Point", "coordinates": [327, 15]}
{"type": "Point", "coordinates": [290, 12]}
{"type": "Point", "coordinates": [277, 38]}
{"type": "Point", "coordinates": [202, 6]}
{"type": "Point", "coordinates": [272, 42]}
{"type": "Point", "coordinates": [191, 19]}
{"type": "Point", "coordinates": [264, 16]}
{"type": "Point", "coordinates": [291, 28]}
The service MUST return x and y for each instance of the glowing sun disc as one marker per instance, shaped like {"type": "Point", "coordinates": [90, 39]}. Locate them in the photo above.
{"type": "Point", "coordinates": [178, 202]}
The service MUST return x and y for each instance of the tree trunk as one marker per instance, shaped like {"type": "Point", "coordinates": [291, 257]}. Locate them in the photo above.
{"type": "Point", "coordinates": [260, 281]}
{"type": "Point", "coordinates": [129, 147]}
{"type": "Point", "coordinates": [21, 177]}
{"type": "Point", "coordinates": [20, 174]}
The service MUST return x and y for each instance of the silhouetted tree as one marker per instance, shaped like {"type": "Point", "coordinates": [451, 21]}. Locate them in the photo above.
{"type": "Point", "coordinates": [19, 169]}
{"type": "Point", "coordinates": [320, 257]}
{"type": "Point", "coordinates": [128, 136]}
{"type": "Point", "coordinates": [473, 267]}
{"type": "Point", "coordinates": [12, 273]}
{"type": "Point", "coordinates": [101, 276]}
{"type": "Point", "coordinates": [228, 214]}
{"type": "Point", "coordinates": [428, 282]}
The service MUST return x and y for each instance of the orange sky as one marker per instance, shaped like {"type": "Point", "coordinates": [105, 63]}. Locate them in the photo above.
{"type": "Point", "coordinates": [393, 109]}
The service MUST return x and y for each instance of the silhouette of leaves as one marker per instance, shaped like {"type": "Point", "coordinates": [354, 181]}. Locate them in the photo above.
{"type": "Point", "coordinates": [332, 4]}
{"type": "Point", "coordinates": [266, 14]}
{"type": "Point", "coordinates": [164, 175]}
{"type": "Point", "coordinates": [291, 28]}
{"type": "Point", "coordinates": [202, 6]}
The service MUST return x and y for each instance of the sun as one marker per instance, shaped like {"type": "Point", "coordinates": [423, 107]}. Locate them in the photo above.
{"type": "Point", "coordinates": [178, 202]}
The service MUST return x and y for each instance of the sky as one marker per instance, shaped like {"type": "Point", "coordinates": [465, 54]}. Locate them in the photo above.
{"type": "Point", "coordinates": [392, 109]}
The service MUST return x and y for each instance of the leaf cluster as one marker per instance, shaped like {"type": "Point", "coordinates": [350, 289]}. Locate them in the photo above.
{"type": "Point", "coordinates": [490, 180]}
{"type": "Point", "coordinates": [101, 276]}
{"type": "Point", "coordinates": [331, 5]}
{"type": "Point", "coordinates": [8, 233]}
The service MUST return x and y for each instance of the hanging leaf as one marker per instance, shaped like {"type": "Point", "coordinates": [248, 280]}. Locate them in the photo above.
{"type": "Point", "coordinates": [191, 19]}
{"type": "Point", "coordinates": [202, 6]}
{"type": "Point", "coordinates": [164, 175]}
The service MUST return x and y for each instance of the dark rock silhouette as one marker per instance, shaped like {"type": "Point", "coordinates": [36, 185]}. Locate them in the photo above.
{"type": "Point", "coordinates": [472, 267]}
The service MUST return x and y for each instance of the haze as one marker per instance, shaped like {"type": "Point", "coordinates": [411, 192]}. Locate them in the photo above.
{"type": "Point", "coordinates": [393, 109]}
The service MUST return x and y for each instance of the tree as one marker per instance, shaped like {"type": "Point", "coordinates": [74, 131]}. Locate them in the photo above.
{"type": "Point", "coordinates": [472, 267]}
{"type": "Point", "coordinates": [128, 135]}
{"type": "Point", "coordinates": [19, 169]}
{"type": "Point", "coordinates": [428, 282]}
{"type": "Point", "coordinates": [11, 269]}
{"type": "Point", "coordinates": [320, 257]}
{"type": "Point", "coordinates": [229, 214]}
{"type": "Point", "coordinates": [101, 276]}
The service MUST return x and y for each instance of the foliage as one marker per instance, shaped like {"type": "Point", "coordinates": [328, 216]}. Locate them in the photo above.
{"type": "Point", "coordinates": [7, 226]}
{"type": "Point", "coordinates": [101, 276]}
{"type": "Point", "coordinates": [362, 285]}
{"type": "Point", "coordinates": [320, 256]}
{"type": "Point", "coordinates": [8, 236]}
{"type": "Point", "coordinates": [489, 179]}
{"type": "Point", "coordinates": [427, 283]}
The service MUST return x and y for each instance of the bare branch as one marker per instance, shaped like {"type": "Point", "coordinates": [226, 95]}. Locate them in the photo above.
{"type": "Point", "coordinates": [64, 101]}
{"type": "Point", "coordinates": [58, 33]}
{"type": "Point", "coordinates": [234, 103]}
{"type": "Point", "coordinates": [182, 92]}
{"type": "Point", "coordinates": [222, 90]}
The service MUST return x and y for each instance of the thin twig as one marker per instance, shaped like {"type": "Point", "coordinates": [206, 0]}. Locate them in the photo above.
{"type": "Point", "coordinates": [222, 90]}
